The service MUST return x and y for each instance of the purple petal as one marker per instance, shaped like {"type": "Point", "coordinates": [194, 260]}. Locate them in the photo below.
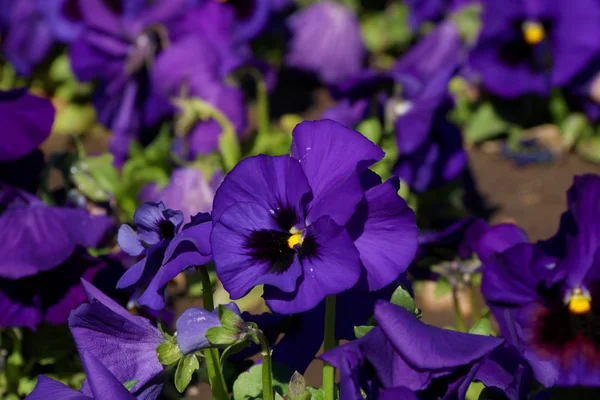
{"type": "Point", "coordinates": [101, 381]}
{"type": "Point", "coordinates": [49, 389]}
{"type": "Point", "coordinates": [192, 326]}
{"type": "Point", "coordinates": [128, 241]}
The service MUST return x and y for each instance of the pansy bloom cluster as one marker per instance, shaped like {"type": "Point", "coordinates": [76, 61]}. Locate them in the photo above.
{"type": "Point", "coordinates": [217, 199]}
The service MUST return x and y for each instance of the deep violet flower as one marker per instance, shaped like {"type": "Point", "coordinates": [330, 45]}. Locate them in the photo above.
{"type": "Point", "coordinates": [117, 47]}
{"type": "Point", "coordinates": [187, 191]}
{"type": "Point", "coordinates": [404, 356]}
{"type": "Point", "coordinates": [326, 40]}
{"type": "Point", "coordinates": [310, 224]}
{"type": "Point", "coordinates": [103, 384]}
{"type": "Point", "coordinates": [545, 294]}
{"type": "Point", "coordinates": [124, 343]}
{"type": "Point", "coordinates": [165, 251]}
{"type": "Point", "coordinates": [422, 11]}
{"type": "Point", "coordinates": [528, 46]}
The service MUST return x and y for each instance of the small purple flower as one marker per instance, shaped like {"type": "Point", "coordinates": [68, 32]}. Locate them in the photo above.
{"type": "Point", "coordinates": [102, 383]}
{"type": "Point", "coordinates": [193, 324]}
{"type": "Point", "coordinates": [165, 252]}
{"type": "Point", "coordinates": [545, 294]}
{"type": "Point", "coordinates": [124, 343]}
{"type": "Point", "coordinates": [527, 47]}
{"type": "Point", "coordinates": [310, 224]}
{"type": "Point", "coordinates": [404, 356]}
{"type": "Point", "coordinates": [326, 40]}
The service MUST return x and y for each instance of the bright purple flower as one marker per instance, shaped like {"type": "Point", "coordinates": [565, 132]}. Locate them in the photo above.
{"type": "Point", "coordinates": [528, 46]}
{"type": "Point", "coordinates": [187, 191]}
{"type": "Point", "coordinates": [166, 252]}
{"type": "Point", "coordinates": [29, 120]}
{"type": "Point", "coordinates": [405, 356]}
{"type": "Point", "coordinates": [64, 18]}
{"type": "Point", "coordinates": [124, 343]}
{"type": "Point", "coordinates": [545, 295]}
{"type": "Point", "coordinates": [103, 384]}
{"type": "Point", "coordinates": [422, 11]}
{"type": "Point", "coordinates": [310, 224]}
{"type": "Point", "coordinates": [117, 48]}
{"type": "Point", "coordinates": [193, 324]}
{"type": "Point", "coordinates": [326, 40]}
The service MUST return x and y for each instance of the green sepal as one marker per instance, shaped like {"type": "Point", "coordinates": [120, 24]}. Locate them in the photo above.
{"type": "Point", "coordinates": [221, 336]}
{"type": "Point", "coordinates": [130, 384]}
{"type": "Point", "coordinates": [402, 298]}
{"type": "Point", "coordinates": [168, 352]}
{"type": "Point", "coordinates": [482, 327]}
{"type": "Point", "coordinates": [185, 369]}
{"type": "Point", "coordinates": [234, 349]}
{"type": "Point", "coordinates": [362, 330]}
{"type": "Point", "coordinates": [229, 319]}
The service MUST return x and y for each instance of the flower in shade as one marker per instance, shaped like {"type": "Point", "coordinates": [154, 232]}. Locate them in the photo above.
{"type": "Point", "coordinates": [187, 191]}
{"type": "Point", "coordinates": [193, 324]}
{"type": "Point", "coordinates": [545, 294]}
{"type": "Point", "coordinates": [326, 40]}
{"type": "Point", "coordinates": [405, 358]}
{"type": "Point", "coordinates": [430, 147]}
{"type": "Point", "coordinates": [422, 11]}
{"type": "Point", "coordinates": [117, 47]}
{"type": "Point", "coordinates": [528, 46]}
{"type": "Point", "coordinates": [102, 384]}
{"type": "Point", "coordinates": [311, 224]}
{"type": "Point", "coordinates": [124, 343]}
{"type": "Point", "coordinates": [165, 251]}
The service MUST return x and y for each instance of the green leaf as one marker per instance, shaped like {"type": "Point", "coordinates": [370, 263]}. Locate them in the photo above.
{"type": "Point", "coordinates": [95, 177]}
{"type": "Point", "coordinates": [185, 369]}
{"type": "Point", "coordinates": [362, 330]}
{"type": "Point", "coordinates": [574, 127]}
{"type": "Point", "coordinates": [482, 327]}
{"type": "Point", "coordinates": [402, 298]}
{"type": "Point", "coordinates": [230, 150]}
{"type": "Point", "coordinates": [589, 149]}
{"type": "Point", "coordinates": [159, 150]}
{"type": "Point", "coordinates": [468, 22]}
{"type": "Point", "coordinates": [130, 384]}
{"type": "Point", "coordinates": [74, 119]}
{"type": "Point", "coordinates": [442, 287]}
{"type": "Point", "coordinates": [317, 394]}
{"type": "Point", "coordinates": [221, 336]}
{"type": "Point", "coordinates": [297, 386]}
{"type": "Point", "coordinates": [168, 352]}
{"type": "Point", "coordinates": [485, 124]}
{"type": "Point", "coordinates": [234, 349]}
{"type": "Point", "coordinates": [371, 129]}
{"type": "Point", "coordinates": [248, 385]}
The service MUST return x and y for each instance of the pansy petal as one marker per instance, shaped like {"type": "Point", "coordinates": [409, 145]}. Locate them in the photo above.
{"type": "Point", "coordinates": [102, 382]}
{"type": "Point", "coordinates": [333, 268]}
{"type": "Point", "coordinates": [445, 349]}
{"type": "Point", "coordinates": [498, 239]}
{"type": "Point", "coordinates": [145, 267]}
{"type": "Point", "coordinates": [331, 156]}
{"type": "Point", "coordinates": [128, 241]}
{"type": "Point", "coordinates": [237, 264]}
{"type": "Point", "coordinates": [388, 241]}
{"type": "Point", "coordinates": [49, 389]}
{"type": "Point", "coordinates": [276, 183]}
{"type": "Point", "coordinates": [192, 326]}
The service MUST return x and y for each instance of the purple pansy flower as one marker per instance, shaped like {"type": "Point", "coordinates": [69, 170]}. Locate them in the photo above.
{"type": "Point", "coordinates": [103, 384]}
{"type": "Point", "coordinates": [310, 224]}
{"type": "Point", "coordinates": [117, 47]}
{"type": "Point", "coordinates": [124, 343]}
{"type": "Point", "coordinates": [422, 11]}
{"type": "Point", "coordinates": [193, 324]}
{"type": "Point", "coordinates": [326, 40]}
{"type": "Point", "coordinates": [405, 357]}
{"type": "Point", "coordinates": [528, 47]}
{"type": "Point", "coordinates": [166, 252]}
{"type": "Point", "coordinates": [545, 295]}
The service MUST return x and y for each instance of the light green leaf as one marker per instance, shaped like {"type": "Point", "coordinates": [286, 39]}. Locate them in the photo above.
{"type": "Point", "coordinates": [485, 124]}
{"type": "Point", "coordinates": [442, 287]}
{"type": "Point", "coordinates": [168, 352]}
{"type": "Point", "coordinates": [589, 149]}
{"type": "Point", "coordinates": [362, 330]}
{"type": "Point", "coordinates": [371, 129]}
{"type": "Point", "coordinates": [482, 327]}
{"type": "Point", "coordinates": [185, 369]}
{"type": "Point", "coordinates": [402, 298]}
{"type": "Point", "coordinates": [248, 385]}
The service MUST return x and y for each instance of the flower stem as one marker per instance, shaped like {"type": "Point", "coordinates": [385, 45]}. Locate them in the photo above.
{"type": "Point", "coordinates": [458, 317]}
{"type": "Point", "coordinates": [262, 103]}
{"type": "Point", "coordinates": [213, 361]}
{"type": "Point", "coordinates": [328, 344]}
{"type": "Point", "coordinates": [475, 304]}
{"type": "Point", "coordinates": [267, 366]}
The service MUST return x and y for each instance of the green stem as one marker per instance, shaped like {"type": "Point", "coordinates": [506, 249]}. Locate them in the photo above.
{"type": "Point", "coordinates": [267, 366]}
{"type": "Point", "coordinates": [460, 321]}
{"type": "Point", "coordinates": [328, 344]}
{"type": "Point", "coordinates": [262, 104]}
{"type": "Point", "coordinates": [213, 361]}
{"type": "Point", "coordinates": [475, 304]}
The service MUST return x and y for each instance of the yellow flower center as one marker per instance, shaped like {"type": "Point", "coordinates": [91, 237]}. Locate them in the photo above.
{"type": "Point", "coordinates": [579, 303]}
{"type": "Point", "coordinates": [295, 239]}
{"type": "Point", "coordinates": [533, 32]}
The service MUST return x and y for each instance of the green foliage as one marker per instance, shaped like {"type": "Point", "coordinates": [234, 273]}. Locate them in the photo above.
{"type": "Point", "coordinates": [248, 385]}
{"type": "Point", "coordinates": [221, 336]}
{"type": "Point", "coordinates": [485, 124]}
{"type": "Point", "coordinates": [402, 298]}
{"type": "Point", "coordinates": [442, 287]}
{"type": "Point", "coordinates": [387, 30]}
{"type": "Point", "coordinates": [74, 119]}
{"type": "Point", "coordinates": [362, 330]}
{"type": "Point", "coordinates": [371, 128]}
{"type": "Point", "coordinates": [185, 369]}
{"type": "Point", "coordinates": [130, 384]}
{"type": "Point", "coordinates": [468, 21]}
{"type": "Point", "coordinates": [482, 327]}
{"type": "Point", "coordinates": [168, 352]}
{"type": "Point", "coordinates": [95, 177]}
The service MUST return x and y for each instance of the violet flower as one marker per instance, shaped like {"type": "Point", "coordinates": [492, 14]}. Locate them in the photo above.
{"type": "Point", "coordinates": [405, 357]}
{"type": "Point", "coordinates": [117, 47]}
{"type": "Point", "coordinates": [310, 224]}
{"type": "Point", "coordinates": [124, 343]}
{"type": "Point", "coordinates": [422, 11]}
{"type": "Point", "coordinates": [544, 295]}
{"type": "Point", "coordinates": [528, 47]}
{"type": "Point", "coordinates": [166, 252]}
{"type": "Point", "coordinates": [102, 383]}
{"type": "Point", "coordinates": [326, 40]}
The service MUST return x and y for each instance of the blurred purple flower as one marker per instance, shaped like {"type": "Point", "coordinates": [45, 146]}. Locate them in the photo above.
{"type": "Point", "coordinates": [117, 47]}
{"type": "Point", "coordinates": [307, 225]}
{"type": "Point", "coordinates": [545, 295]}
{"type": "Point", "coordinates": [407, 358]}
{"type": "Point", "coordinates": [528, 47]}
{"type": "Point", "coordinates": [103, 384]}
{"type": "Point", "coordinates": [124, 343]}
{"type": "Point", "coordinates": [326, 40]}
{"type": "Point", "coordinates": [422, 11]}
